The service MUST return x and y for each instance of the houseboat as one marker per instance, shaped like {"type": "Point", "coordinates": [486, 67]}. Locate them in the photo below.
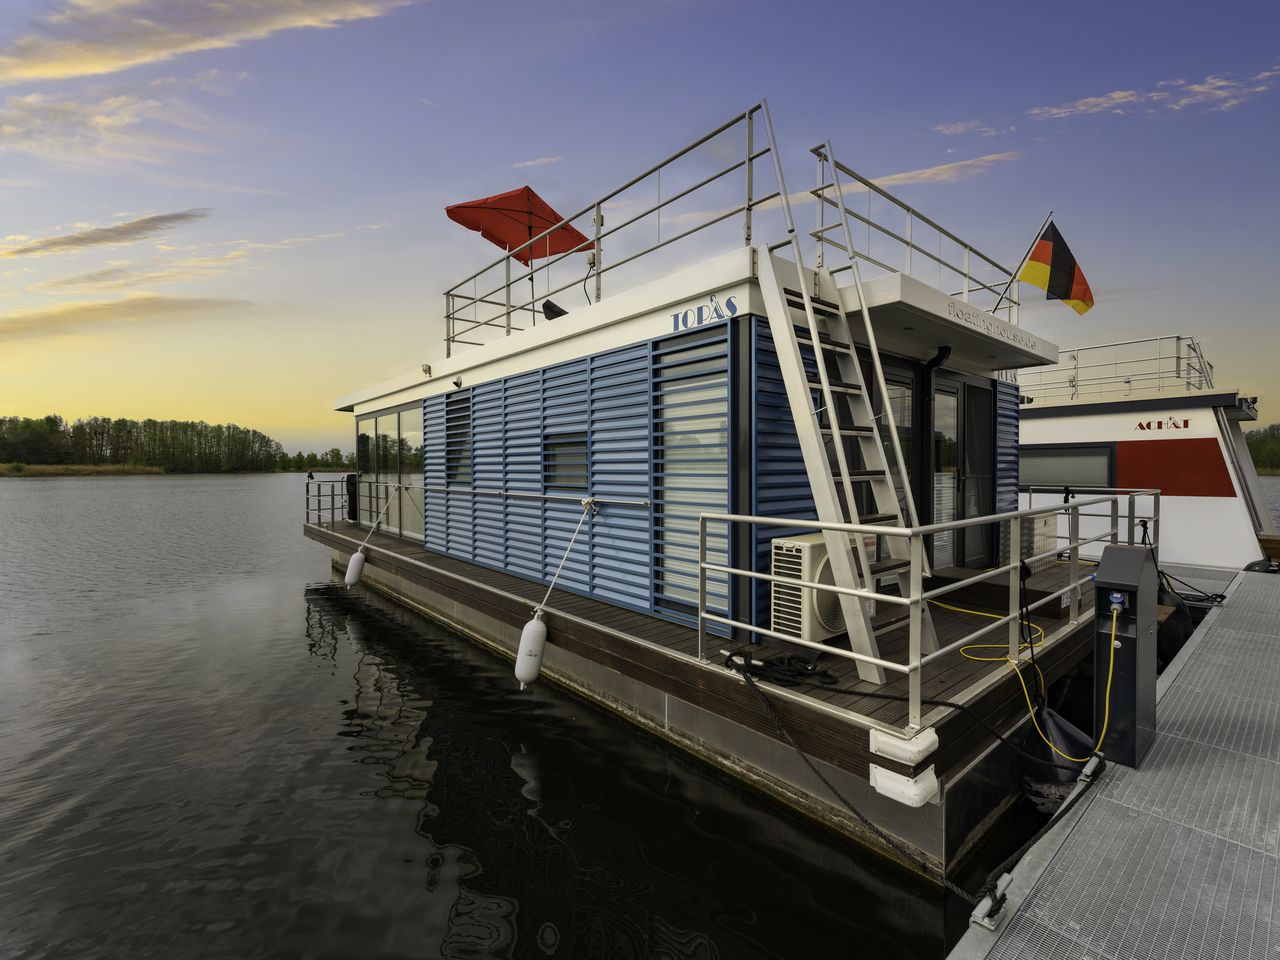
{"type": "Point", "coordinates": [757, 481]}
{"type": "Point", "coordinates": [1148, 414]}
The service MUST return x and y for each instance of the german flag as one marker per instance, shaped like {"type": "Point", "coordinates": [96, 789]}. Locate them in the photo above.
{"type": "Point", "coordinates": [1053, 269]}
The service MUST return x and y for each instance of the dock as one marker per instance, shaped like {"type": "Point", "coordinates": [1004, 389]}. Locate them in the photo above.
{"type": "Point", "coordinates": [1180, 857]}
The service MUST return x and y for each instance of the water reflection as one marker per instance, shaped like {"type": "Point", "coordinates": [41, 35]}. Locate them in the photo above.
{"type": "Point", "coordinates": [546, 829]}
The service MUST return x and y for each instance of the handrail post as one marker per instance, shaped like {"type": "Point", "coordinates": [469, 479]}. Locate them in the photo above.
{"type": "Point", "coordinates": [966, 274]}
{"type": "Point", "coordinates": [507, 288]}
{"type": "Point", "coordinates": [702, 587]}
{"type": "Point", "coordinates": [915, 620]}
{"type": "Point", "coordinates": [333, 506]}
{"type": "Point", "coordinates": [1073, 536]}
{"type": "Point", "coordinates": [598, 218]}
{"type": "Point", "coordinates": [1155, 526]}
{"type": "Point", "coordinates": [1015, 559]}
{"type": "Point", "coordinates": [448, 325]}
{"type": "Point", "coordinates": [746, 215]}
{"type": "Point", "coordinates": [1115, 521]}
{"type": "Point", "coordinates": [306, 503]}
{"type": "Point", "coordinates": [1133, 515]}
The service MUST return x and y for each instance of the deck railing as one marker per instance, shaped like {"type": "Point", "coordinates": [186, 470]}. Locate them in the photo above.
{"type": "Point", "coordinates": [395, 507]}
{"type": "Point", "coordinates": [913, 245]}
{"type": "Point", "coordinates": [1124, 368]}
{"type": "Point", "coordinates": [1117, 508]}
{"type": "Point", "coordinates": [326, 502]}
{"type": "Point", "coordinates": [654, 211]}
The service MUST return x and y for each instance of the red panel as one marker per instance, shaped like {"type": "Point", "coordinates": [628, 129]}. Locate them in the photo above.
{"type": "Point", "coordinates": [1179, 468]}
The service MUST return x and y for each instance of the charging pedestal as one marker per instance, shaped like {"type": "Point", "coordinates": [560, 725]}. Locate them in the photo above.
{"type": "Point", "coordinates": [1126, 579]}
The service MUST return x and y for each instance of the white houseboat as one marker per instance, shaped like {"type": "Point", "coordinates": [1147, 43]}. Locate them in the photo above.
{"type": "Point", "coordinates": [1148, 413]}
{"type": "Point", "coordinates": [737, 439]}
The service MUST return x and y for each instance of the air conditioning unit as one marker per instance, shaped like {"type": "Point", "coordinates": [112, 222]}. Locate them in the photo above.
{"type": "Point", "coordinates": [803, 612]}
{"type": "Point", "coordinates": [1040, 535]}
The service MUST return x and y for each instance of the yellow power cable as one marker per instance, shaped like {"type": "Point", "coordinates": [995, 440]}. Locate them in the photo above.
{"type": "Point", "coordinates": [995, 646]}
{"type": "Point", "coordinates": [1106, 709]}
{"type": "Point", "coordinates": [1017, 670]}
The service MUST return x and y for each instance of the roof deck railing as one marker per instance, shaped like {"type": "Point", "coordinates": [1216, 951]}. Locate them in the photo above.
{"type": "Point", "coordinates": [714, 192]}
{"type": "Point", "coordinates": [919, 247]}
{"type": "Point", "coordinates": [1110, 371]}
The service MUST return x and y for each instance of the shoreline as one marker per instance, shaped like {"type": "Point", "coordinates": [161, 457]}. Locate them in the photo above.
{"type": "Point", "coordinates": [40, 470]}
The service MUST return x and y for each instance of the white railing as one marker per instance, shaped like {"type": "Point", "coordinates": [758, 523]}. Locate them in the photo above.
{"type": "Point", "coordinates": [915, 245]}
{"type": "Point", "coordinates": [326, 502]}
{"type": "Point", "coordinates": [1120, 529]}
{"type": "Point", "coordinates": [1124, 368]}
{"type": "Point", "coordinates": [691, 191]}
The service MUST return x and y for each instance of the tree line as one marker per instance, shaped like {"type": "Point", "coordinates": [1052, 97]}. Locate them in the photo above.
{"type": "Point", "coordinates": [175, 446]}
{"type": "Point", "coordinates": [1264, 447]}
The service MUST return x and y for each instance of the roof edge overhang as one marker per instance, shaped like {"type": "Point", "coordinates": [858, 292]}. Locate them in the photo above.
{"type": "Point", "coordinates": [913, 319]}
{"type": "Point", "coordinates": [1233, 404]}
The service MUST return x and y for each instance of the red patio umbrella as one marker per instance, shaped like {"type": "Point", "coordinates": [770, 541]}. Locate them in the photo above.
{"type": "Point", "coordinates": [514, 218]}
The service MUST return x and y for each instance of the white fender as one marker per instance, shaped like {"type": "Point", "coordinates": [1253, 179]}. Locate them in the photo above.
{"type": "Point", "coordinates": [533, 639]}
{"type": "Point", "coordinates": [354, 568]}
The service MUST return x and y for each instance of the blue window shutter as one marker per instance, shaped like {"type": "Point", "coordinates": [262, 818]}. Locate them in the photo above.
{"type": "Point", "coordinates": [490, 536]}
{"type": "Point", "coordinates": [435, 512]}
{"type": "Point", "coordinates": [522, 465]}
{"type": "Point", "coordinates": [620, 468]}
{"type": "Point", "coordinates": [565, 409]}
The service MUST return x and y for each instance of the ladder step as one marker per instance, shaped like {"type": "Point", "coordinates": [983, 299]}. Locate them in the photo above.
{"type": "Point", "coordinates": [882, 567]}
{"type": "Point", "coordinates": [892, 621]}
{"type": "Point", "coordinates": [803, 336]}
{"type": "Point", "coordinates": [877, 517]}
{"type": "Point", "coordinates": [837, 385]}
{"type": "Point", "coordinates": [867, 475]}
{"type": "Point", "coordinates": [850, 431]}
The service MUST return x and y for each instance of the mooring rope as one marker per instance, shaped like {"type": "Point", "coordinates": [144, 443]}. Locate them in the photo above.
{"type": "Point", "coordinates": [588, 507]}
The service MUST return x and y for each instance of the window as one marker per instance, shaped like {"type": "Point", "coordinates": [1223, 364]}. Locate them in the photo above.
{"type": "Point", "coordinates": [1083, 466]}
{"type": "Point", "coordinates": [564, 461]}
{"type": "Point", "coordinates": [457, 438]}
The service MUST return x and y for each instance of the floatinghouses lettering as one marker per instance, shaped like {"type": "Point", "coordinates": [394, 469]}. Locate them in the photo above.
{"type": "Point", "coordinates": [704, 313]}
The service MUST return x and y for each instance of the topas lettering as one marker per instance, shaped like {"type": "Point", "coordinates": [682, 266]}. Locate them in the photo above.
{"type": "Point", "coordinates": [704, 313]}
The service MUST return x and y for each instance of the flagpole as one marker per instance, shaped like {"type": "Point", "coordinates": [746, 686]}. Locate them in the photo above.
{"type": "Point", "coordinates": [1021, 263]}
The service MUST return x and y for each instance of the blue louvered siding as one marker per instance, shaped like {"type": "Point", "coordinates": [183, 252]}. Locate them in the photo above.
{"type": "Point", "coordinates": [565, 409]}
{"type": "Point", "coordinates": [781, 482]}
{"type": "Point", "coordinates": [1006, 446]}
{"type": "Point", "coordinates": [435, 510]}
{"type": "Point", "coordinates": [522, 446]}
{"type": "Point", "coordinates": [620, 418]}
{"type": "Point", "coordinates": [459, 458]}
{"type": "Point", "coordinates": [691, 465]}
{"type": "Point", "coordinates": [490, 533]}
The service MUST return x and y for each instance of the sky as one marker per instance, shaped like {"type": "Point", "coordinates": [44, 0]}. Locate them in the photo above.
{"type": "Point", "coordinates": [233, 211]}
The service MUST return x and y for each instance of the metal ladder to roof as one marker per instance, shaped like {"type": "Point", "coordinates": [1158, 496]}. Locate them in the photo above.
{"type": "Point", "coordinates": [840, 437]}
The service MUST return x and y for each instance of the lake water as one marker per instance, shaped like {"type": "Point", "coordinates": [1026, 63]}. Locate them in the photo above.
{"type": "Point", "coordinates": [209, 750]}
{"type": "Point", "coordinates": [1271, 487]}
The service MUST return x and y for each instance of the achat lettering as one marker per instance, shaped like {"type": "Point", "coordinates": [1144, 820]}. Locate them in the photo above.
{"type": "Point", "coordinates": [1168, 423]}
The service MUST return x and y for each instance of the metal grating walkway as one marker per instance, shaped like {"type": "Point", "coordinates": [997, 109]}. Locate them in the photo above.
{"type": "Point", "coordinates": [1182, 857]}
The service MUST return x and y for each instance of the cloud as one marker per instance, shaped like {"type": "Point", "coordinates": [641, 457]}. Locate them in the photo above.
{"type": "Point", "coordinates": [965, 126]}
{"type": "Point", "coordinates": [124, 275]}
{"type": "Point", "coordinates": [942, 173]}
{"type": "Point", "coordinates": [539, 162]}
{"type": "Point", "coordinates": [218, 82]}
{"type": "Point", "coordinates": [127, 232]}
{"type": "Point", "coordinates": [101, 315]}
{"type": "Point", "coordinates": [84, 38]}
{"type": "Point", "coordinates": [108, 131]}
{"type": "Point", "coordinates": [1218, 93]}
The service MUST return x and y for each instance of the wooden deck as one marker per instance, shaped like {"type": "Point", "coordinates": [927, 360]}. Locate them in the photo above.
{"type": "Point", "coordinates": [663, 655]}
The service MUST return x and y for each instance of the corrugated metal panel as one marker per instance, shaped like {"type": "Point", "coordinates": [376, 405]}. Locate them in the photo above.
{"type": "Point", "coordinates": [619, 463]}
{"type": "Point", "coordinates": [459, 471]}
{"type": "Point", "coordinates": [781, 482]}
{"type": "Point", "coordinates": [565, 408]}
{"type": "Point", "coordinates": [490, 532]}
{"type": "Point", "coordinates": [433, 474]}
{"type": "Point", "coordinates": [522, 453]}
{"type": "Point", "coordinates": [1006, 493]}
{"type": "Point", "coordinates": [691, 464]}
